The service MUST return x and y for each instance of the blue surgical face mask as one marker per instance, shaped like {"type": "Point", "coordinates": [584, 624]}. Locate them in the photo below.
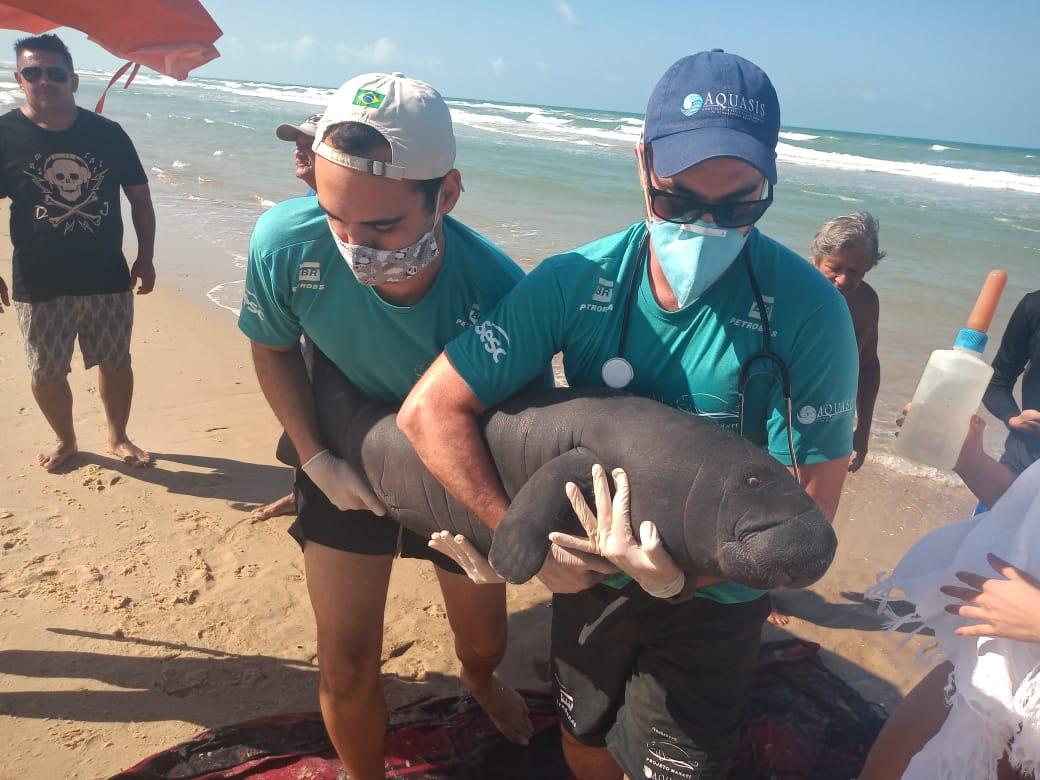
{"type": "Point", "coordinates": [693, 256]}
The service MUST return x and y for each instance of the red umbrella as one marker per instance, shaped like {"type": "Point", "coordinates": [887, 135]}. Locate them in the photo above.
{"type": "Point", "coordinates": [170, 36]}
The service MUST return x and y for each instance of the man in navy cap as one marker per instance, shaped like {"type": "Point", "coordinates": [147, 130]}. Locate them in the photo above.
{"type": "Point", "coordinates": [694, 307]}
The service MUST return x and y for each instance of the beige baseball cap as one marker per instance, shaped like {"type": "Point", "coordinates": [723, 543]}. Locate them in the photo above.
{"type": "Point", "coordinates": [287, 132]}
{"type": "Point", "coordinates": [409, 113]}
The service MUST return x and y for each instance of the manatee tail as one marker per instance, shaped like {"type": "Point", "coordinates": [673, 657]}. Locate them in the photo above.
{"type": "Point", "coordinates": [521, 540]}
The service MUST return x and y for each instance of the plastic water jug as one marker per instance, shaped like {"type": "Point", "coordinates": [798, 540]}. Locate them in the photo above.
{"type": "Point", "coordinates": [951, 388]}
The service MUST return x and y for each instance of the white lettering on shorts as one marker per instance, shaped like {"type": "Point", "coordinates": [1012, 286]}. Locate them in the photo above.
{"type": "Point", "coordinates": [808, 415]}
{"type": "Point", "coordinates": [666, 760]}
{"type": "Point", "coordinates": [489, 334]}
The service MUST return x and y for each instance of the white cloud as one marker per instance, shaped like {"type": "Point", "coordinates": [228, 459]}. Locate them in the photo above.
{"type": "Point", "coordinates": [567, 13]}
{"type": "Point", "coordinates": [498, 65]}
{"type": "Point", "coordinates": [379, 52]}
{"type": "Point", "coordinates": [301, 49]}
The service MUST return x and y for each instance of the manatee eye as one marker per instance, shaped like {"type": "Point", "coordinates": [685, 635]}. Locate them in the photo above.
{"type": "Point", "coordinates": [751, 481]}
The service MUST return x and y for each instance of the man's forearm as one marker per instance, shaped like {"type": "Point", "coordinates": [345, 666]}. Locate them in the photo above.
{"type": "Point", "coordinates": [985, 477]}
{"type": "Point", "coordinates": [283, 379]}
{"type": "Point", "coordinates": [143, 215]}
{"type": "Point", "coordinates": [1000, 401]}
{"type": "Point", "coordinates": [450, 444]}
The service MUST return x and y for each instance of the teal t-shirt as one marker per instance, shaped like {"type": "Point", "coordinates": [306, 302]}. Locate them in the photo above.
{"type": "Point", "coordinates": [689, 359]}
{"type": "Point", "coordinates": [297, 282]}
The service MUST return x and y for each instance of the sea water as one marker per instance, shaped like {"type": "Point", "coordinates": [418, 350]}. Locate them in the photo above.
{"type": "Point", "coordinates": [543, 179]}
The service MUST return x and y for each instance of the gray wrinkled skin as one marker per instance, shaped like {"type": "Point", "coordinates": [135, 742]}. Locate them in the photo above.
{"type": "Point", "coordinates": [723, 506]}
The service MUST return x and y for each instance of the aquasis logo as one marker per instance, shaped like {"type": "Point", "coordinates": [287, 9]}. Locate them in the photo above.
{"type": "Point", "coordinates": [692, 104]}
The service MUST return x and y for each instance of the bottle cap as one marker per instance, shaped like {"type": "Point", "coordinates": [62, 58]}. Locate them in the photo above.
{"type": "Point", "coordinates": [975, 340]}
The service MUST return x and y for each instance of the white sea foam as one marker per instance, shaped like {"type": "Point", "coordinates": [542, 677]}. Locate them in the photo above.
{"type": "Point", "coordinates": [991, 180]}
{"type": "Point", "coordinates": [264, 201]}
{"type": "Point", "coordinates": [180, 164]}
{"type": "Point", "coordinates": [903, 466]}
{"type": "Point", "coordinates": [792, 136]}
{"type": "Point", "coordinates": [941, 148]}
{"type": "Point", "coordinates": [209, 121]}
{"type": "Point", "coordinates": [218, 153]}
{"type": "Point", "coordinates": [222, 292]}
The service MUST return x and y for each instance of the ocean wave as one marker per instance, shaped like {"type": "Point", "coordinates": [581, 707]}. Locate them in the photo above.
{"type": "Point", "coordinates": [941, 148]}
{"type": "Point", "coordinates": [992, 180]}
{"type": "Point", "coordinates": [509, 109]}
{"type": "Point", "coordinates": [180, 164]}
{"type": "Point", "coordinates": [792, 136]}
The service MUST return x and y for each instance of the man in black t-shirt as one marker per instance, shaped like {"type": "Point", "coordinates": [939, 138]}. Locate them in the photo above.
{"type": "Point", "coordinates": [1019, 354]}
{"type": "Point", "coordinates": [63, 167]}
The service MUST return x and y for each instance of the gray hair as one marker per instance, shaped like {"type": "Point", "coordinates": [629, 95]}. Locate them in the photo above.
{"type": "Point", "coordinates": [857, 229]}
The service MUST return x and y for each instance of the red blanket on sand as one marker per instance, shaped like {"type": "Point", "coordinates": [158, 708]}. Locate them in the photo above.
{"type": "Point", "coordinates": [804, 722]}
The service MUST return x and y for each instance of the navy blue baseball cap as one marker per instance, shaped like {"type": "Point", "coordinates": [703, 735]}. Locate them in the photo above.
{"type": "Point", "coordinates": [712, 104]}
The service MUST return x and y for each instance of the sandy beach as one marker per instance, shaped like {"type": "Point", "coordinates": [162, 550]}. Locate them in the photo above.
{"type": "Point", "coordinates": [140, 607]}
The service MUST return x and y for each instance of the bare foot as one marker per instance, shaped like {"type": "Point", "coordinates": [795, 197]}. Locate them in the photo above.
{"type": "Point", "coordinates": [57, 455]}
{"type": "Point", "coordinates": [778, 618]}
{"type": "Point", "coordinates": [505, 707]}
{"type": "Point", "coordinates": [286, 505]}
{"type": "Point", "coordinates": [129, 453]}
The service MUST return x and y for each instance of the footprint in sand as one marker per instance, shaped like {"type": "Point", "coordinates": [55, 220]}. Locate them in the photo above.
{"type": "Point", "coordinates": [13, 536]}
{"type": "Point", "coordinates": [99, 479]}
{"type": "Point", "coordinates": [247, 570]}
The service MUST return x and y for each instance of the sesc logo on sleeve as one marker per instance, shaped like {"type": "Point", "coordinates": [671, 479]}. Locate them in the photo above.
{"type": "Point", "coordinates": [489, 334]}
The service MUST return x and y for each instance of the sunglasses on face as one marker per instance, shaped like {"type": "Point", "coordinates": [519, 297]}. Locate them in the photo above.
{"type": "Point", "coordinates": [684, 209]}
{"type": "Point", "coordinates": [33, 73]}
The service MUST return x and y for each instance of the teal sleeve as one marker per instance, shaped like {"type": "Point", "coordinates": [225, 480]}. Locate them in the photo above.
{"type": "Point", "coordinates": [515, 342]}
{"type": "Point", "coordinates": [266, 315]}
{"type": "Point", "coordinates": [824, 370]}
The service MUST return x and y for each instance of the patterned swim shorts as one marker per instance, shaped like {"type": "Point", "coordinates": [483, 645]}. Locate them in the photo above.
{"type": "Point", "coordinates": [102, 322]}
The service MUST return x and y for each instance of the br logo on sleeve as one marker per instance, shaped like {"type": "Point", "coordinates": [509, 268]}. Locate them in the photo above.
{"type": "Point", "coordinates": [489, 334]}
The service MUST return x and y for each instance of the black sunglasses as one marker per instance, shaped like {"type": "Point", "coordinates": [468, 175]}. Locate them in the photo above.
{"type": "Point", "coordinates": [683, 209]}
{"type": "Point", "coordinates": [33, 72]}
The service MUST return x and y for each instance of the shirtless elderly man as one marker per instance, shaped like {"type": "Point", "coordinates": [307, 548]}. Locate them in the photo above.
{"type": "Point", "coordinates": [844, 249]}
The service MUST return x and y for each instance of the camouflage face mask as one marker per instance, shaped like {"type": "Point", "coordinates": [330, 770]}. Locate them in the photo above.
{"type": "Point", "coordinates": [388, 266]}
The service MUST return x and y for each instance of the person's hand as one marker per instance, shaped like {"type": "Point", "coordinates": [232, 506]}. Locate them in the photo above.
{"type": "Point", "coordinates": [609, 532]}
{"type": "Point", "coordinates": [1027, 422]}
{"type": "Point", "coordinates": [1008, 607]}
{"type": "Point", "coordinates": [4, 299]}
{"type": "Point", "coordinates": [856, 461]}
{"type": "Point", "coordinates": [565, 571]}
{"type": "Point", "coordinates": [341, 484]}
{"type": "Point", "coordinates": [142, 271]}
{"type": "Point", "coordinates": [462, 551]}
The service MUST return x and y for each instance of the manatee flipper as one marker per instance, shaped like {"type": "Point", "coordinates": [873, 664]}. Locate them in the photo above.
{"type": "Point", "coordinates": [521, 540]}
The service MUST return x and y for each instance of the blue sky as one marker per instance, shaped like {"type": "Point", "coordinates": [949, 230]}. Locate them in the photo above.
{"type": "Point", "coordinates": [961, 71]}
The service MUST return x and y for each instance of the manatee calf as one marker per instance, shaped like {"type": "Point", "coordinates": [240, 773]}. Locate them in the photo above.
{"type": "Point", "coordinates": [723, 506]}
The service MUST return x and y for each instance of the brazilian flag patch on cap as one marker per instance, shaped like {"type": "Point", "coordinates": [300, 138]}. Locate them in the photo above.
{"type": "Point", "coordinates": [369, 98]}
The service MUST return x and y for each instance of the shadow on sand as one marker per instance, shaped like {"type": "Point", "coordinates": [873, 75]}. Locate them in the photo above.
{"type": "Point", "coordinates": [246, 485]}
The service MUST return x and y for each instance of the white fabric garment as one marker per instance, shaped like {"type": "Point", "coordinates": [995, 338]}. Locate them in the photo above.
{"type": "Point", "coordinates": [995, 692]}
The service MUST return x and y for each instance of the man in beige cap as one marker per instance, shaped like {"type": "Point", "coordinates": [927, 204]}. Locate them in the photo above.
{"type": "Point", "coordinates": [354, 269]}
{"type": "Point", "coordinates": [303, 136]}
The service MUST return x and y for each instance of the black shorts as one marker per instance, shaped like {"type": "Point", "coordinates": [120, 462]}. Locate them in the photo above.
{"type": "Point", "coordinates": [664, 686]}
{"type": "Point", "coordinates": [319, 521]}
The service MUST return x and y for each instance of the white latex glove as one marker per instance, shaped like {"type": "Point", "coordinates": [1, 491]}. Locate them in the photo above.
{"type": "Point", "coordinates": [462, 551]}
{"type": "Point", "coordinates": [610, 535]}
{"type": "Point", "coordinates": [341, 484]}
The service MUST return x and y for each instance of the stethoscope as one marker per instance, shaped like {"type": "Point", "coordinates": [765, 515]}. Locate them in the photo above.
{"type": "Point", "coordinates": [618, 373]}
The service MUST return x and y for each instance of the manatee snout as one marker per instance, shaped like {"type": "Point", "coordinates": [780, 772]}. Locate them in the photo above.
{"type": "Point", "coordinates": [793, 554]}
